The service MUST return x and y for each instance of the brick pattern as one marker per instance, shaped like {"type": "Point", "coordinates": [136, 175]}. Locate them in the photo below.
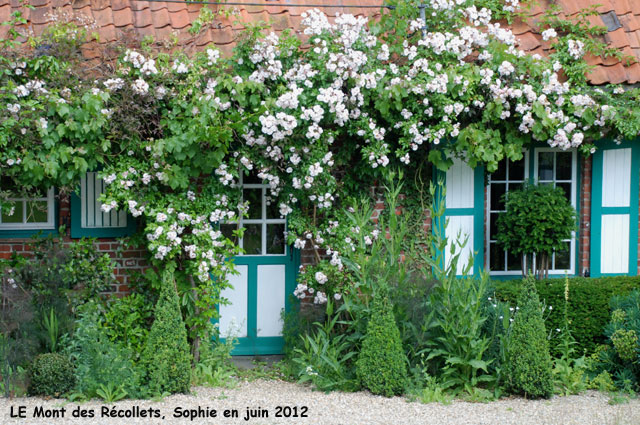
{"type": "Point", "coordinates": [121, 20]}
{"type": "Point", "coordinates": [128, 259]}
{"type": "Point", "coordinates": [584, 234]}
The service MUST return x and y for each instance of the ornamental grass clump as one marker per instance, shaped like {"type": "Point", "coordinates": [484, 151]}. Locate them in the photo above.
{"type": "Point", "coordinates": [382, 364]}
{"type": "Point", "coordinates": [528, 362]}
{"type": "Point", "coordinates": [166, 356]}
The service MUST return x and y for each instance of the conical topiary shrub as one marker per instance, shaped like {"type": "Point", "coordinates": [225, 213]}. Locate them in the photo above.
{"type": "Point", "coordinates": [166, 358]}
{"type": "Point", "coordinates": [382, 364]}
{"type": "Point", "coordinates": [528, 368]}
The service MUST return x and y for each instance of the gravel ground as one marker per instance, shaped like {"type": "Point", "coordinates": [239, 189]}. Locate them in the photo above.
{"type": "Point", "coordinates": [337, 408]}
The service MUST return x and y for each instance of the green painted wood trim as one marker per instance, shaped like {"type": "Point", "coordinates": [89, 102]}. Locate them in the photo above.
{"type": "Point", "coordinates": [597, 210]}
{"type": "Point", "coordinates": [77, 231]}
{"type": "Point", "coordinates": [253, 344]}
{"type": "Point", "coordinates": [477, 211]}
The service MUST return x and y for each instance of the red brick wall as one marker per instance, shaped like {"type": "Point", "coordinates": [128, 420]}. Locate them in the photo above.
{"type": "Point", "coordinates": [584, 233]}
{"type": "Point", "coordinates": [128, 259]}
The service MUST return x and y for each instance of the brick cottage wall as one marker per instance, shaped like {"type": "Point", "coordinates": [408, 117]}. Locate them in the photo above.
{"type": "Point", "coordinates": [129, 260]}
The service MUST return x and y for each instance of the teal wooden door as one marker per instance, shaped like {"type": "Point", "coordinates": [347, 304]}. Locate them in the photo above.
{"type": "Point", "coordinates": [262, 289]}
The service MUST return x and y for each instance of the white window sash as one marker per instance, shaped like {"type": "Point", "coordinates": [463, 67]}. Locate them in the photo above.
{"type": "Point", "coordinates": [49, 224]}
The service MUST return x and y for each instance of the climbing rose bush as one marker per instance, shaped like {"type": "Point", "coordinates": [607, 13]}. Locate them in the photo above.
{"type": "Point", "coordinates": [173, 134]}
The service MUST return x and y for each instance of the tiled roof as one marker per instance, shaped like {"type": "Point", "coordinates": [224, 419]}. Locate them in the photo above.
{"type": "Point", "coordinates": [166, 20]}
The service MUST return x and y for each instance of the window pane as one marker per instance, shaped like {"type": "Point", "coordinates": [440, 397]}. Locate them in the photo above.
{"type": "Point", "coordinates": [493, 226]}
{"type": "Point", "coordinates": [36, 211]}
{"type": "Point", "coordinates": [545, 165]}
{"type": "Point", "coordinates": [227, 231]}
{"type": "Point", "coordinates": [501, 172]}
{"type": "Point", "coordinates": [516, 170]}
{"type": "Point", "coordinates": [567, 189]}
{"type": "Point", "coordinates": [514, 262]}
{"type": "Point", "coordinates": [273, 211]}
{"type": "Point", "coordinates": [514, 186]}
{"type": "Point", "coordinates": [497, 257]}
{"type": "Point", "coordinates": [254, 196]}
{"type": "Point", "coordinates": [251, 178]}
{"type": "Point", "coordinates": [252, 239]}
{"type": "Point", "coordinates": [562, 257]}
{"type": "Point", "coordinates": [563, 165]}
{"type": "Point", "coordinates": [275, 238]}
{"type": "Point", "coordinates": [16, 217]}
{"type": "Point", "coordinates": [497, 190]}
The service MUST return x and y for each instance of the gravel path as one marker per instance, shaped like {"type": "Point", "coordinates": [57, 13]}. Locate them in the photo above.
{"type": "Point", "coordinates": [336, 408]}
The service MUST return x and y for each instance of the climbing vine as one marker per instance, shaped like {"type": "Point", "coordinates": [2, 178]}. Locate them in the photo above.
{"type": "Point", "coordinates": [171, 134]}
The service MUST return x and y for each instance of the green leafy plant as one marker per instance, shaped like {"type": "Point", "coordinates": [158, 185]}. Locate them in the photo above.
{"type": "Point", "coordinates": [127, 322]}
{"type": "Point", "coordinates": [99, 361]}
{"type": "Point", "coordinates": [215, 367]}
{"type": "Point", "coordinates": [51, 374]}
{"type": "Point", "coordinates": [324, 357]}
{"type": "Point", "coordinates": [528, 368]}
{"type": "Point", "coordinates": [52, 327]}
{"type": "Point", "coordinates": [166, 358]}
{"type": "Point", "coordinates": [537, 220]}
{"type": "Point", "coordinates": [111, 392]}
{"type": "Point", "coordinates": [382, 364]}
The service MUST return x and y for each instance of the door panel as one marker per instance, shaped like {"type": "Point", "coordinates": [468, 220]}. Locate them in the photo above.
{"type": "Point", "coordinates": [271, 299]}
{"type": "Point", "coordinates": [233, 316]}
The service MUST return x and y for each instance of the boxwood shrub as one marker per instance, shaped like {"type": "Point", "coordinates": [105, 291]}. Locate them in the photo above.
{"type": "Point", "coordinates": [588, 304]}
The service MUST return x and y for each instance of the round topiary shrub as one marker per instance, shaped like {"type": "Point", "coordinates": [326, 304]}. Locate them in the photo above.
{"type": "Point", "coordinates": [382, 364]}
{"type": "Point", "coordinates": [51, 374]}
{"type": "Point", "coordinates": [528, 368]}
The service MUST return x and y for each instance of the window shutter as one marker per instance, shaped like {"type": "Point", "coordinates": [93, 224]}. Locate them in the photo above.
{"type": "Point", "coordinates": [614, 214]}
{"type": "Point", "coordinates": [87, 217]}
{"type": "Point", "coordinates": [464, 201]}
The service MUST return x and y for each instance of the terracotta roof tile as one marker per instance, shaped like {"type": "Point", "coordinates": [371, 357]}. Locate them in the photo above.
{"type": "Point", "coordinates": [617, 38]}
{"type": "Point", "coordinates": [179, 19]}
{"type": "Point", "coordinates": [633, 73]}
{"type": "Point", "coordinates": [138, 5]}
{"type": "Point", "coordinates": [160, 18]}
{"type": "Point", "coordinates": [142, 18]}
{"type": "Point", "coordinates": [103, 17]}
{"type": "Point", "coordinates": [108, 33]}
{"type": "Point", "coordinates": [528, 41]}
{"type": "Point", "coordinates": [630, 22]}
{"type": "Point", "coordinates": [123, 17]}
{"type": "Point", "coordinates": [121, 4]}
{"type": "Point", "coordinates": [40, 15]}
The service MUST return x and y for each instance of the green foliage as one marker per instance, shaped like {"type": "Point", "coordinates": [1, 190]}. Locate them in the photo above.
{"type": "Point", "coordinates": [51, 374]}
{"type": "Point", "coordinates": [528, 363]}
{"type": "Point", "coordinates": [215, 368]}
{"type": "Point", "coordinates": [588, 307]}
{"type": "Point", "coordinates": [98, 360]}
{"type": "Point", "coordinates": [537, 220]}
{"type": "Point", "coordinates": [111, 392]}
{"type": "Point", "coordinates": [324, 357]}
{"type": "Point", "coordinates": [382, 364]}
{"type": "Point", "coordinates": [620, 357]}
{"type": "Point", "coordinates": [127, 322]}
{"type": "Point", "coordinates": [166, 358]}
{"type": "Point", "coordinates": [52, 327]}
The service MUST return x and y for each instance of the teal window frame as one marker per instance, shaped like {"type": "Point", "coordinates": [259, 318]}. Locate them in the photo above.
{"type": "Point", "coordinates": [597, 209]}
